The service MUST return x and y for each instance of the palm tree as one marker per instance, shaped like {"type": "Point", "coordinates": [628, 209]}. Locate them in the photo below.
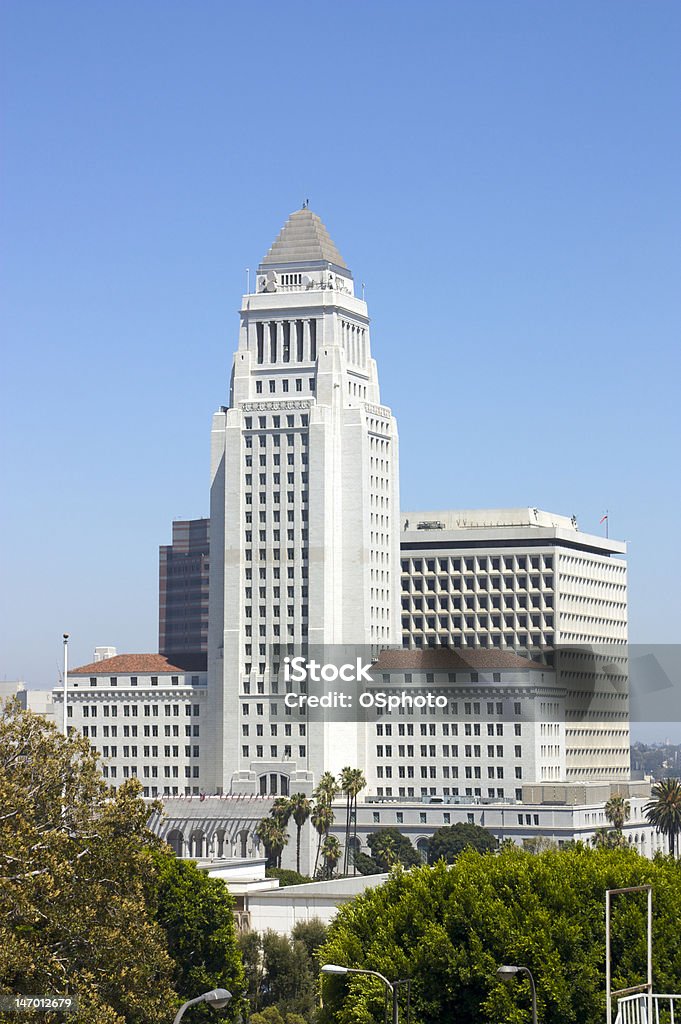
{"type": "Point", "coordinates": [351, 781]}
{"type": "Point", "coordinates": [327, 788]}
{"type": "Point", "coordinates": [617, 811]}
{"type": "Point", "coordinates": [664, 810]}
{"type": "Point", "coordinates": [274, 839]}
{"type": "Point", "coordinates": [331, 852]}
{"type": "Point", "coordinates": [322, 819]}
{"type": "Point", "coordinates": [281, 810]}
{"type": "Point", "coordinates": [301, 808]}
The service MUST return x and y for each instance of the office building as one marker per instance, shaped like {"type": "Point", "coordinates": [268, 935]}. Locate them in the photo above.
{"type": "Point", "coordinates": [183, 589]}
{"type": "Point", "coordinates": [529, 580]}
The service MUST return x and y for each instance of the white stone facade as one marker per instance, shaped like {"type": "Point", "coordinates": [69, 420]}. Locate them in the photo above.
{"type": "Point", "coordinates": [145, 717]}
{"type": "Point", "coordinates": [304, 512]}
{"type": "Point", "coordinates": [523, 578]}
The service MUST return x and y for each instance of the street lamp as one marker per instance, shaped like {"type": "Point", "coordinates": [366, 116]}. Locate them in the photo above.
{"type": "Point", "coordinates": [390, 986]}
{"type": "Point", "coordinates": [217, 998]}
{"type": "Point", "coordinates": [507, 972]}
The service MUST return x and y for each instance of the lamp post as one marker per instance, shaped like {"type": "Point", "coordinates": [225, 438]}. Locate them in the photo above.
{"type": "Point", "coordinates": [217, 998]}
{"type": "Point", "coordinates": [507, 972]}
{"type": "Point", "coordinates": [389, 985]}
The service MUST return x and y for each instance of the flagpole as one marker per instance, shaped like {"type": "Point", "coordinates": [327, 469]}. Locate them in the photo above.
{"type": "Point", "coordinates": [66, 678]}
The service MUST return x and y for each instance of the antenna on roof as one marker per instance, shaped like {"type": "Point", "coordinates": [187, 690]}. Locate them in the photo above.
{"type": "Point", "coordinates": [248, 280]}
{"type": "Point", "coordinates": [306, 204]}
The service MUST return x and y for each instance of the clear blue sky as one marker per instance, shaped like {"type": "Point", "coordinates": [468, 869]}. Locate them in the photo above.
{"type": "Point", "coordinates": [505, 178]}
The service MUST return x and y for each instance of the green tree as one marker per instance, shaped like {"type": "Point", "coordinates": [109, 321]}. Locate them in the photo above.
{"type": "Point", "coordinates": [448, 842]}
{"type": "Point", "coordinates": [617, 811]}
{"type": "Point", "coordinates": [281, 811]}
{"type": "Point", "coordinates": [274, 838]}
{"type": "Point", "coordinates": [196, 913]}
{"type": "Point", "coordinates": [664, 810]}
{"type": "Point", "coordinates": [365, 864]}
{"type": "Point", "coordinates": [74, 857]}
{"type": "Point", "coordinates": [322, 819]}
{"type": "Point", "coordinates": [351, 783]}
{"type": "Point", "coordinates": [287, 876]}
{"type": "Point", "coordinates": [331, 854]}
{"type": "Point", "coordinates": [389, 847]}
{"type": "Point", "coordinates": [448, 928]}
{"type": "Point", "coordinates": [327, 789]}
{"type": "Point", "coordinates": [282, 971]}
{"type": "Point", "coordinates": [301, 808]}
{"type": "Point", "coordinates": [272, 1015]}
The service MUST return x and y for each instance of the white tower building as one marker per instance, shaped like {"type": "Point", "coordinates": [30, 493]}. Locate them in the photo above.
{"type": "Point", "coordinates": [304, 514]}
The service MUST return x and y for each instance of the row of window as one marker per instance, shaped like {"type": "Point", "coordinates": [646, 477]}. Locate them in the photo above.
{"type": "Point", "coordinates": [132, 710]}
{"type": "Point", "coordinates": [90, 731]}
{"type": "Point", "coordinates": [285, 385]}
{"type": "Point", "coordinates": [476, 564]}
{"type": "Point", "coordinates": [149, 771]}
{"type": "Point", "coordinates": [259, 751]}
{"type": "Point", "coordinates": [448, 728]}
{"type": "Point", "coordinates": [447, 772]}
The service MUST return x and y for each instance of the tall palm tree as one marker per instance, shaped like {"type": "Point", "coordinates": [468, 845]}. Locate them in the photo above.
{"type": "Point", "coordinates": [301, 808]}
{"type": "Point", "coordinates": [274, 838]}
{"type": "Point", "coordinates": [351, 783]}
{"type": "Point", "coordinates": [664, 810]}
{"type": "Point", "coordinates": [617, 811]}
{"type": "Point", "coordinates": [327, 788]}
{"type": "Point", "coordinates": [331, 852]}
{"type": "Point", "coordinates": [322, 819]}
{"type": "Point", "coordinates": [281, 810]}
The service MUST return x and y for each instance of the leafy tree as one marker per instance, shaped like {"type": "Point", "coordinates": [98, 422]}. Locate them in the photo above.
{"type": "Point", "coordinates": [196, 912]}
{"type": "Point", "coordinates": [301, 808]}
{"type": "Point", "coordinates": [664, 810]}
{"type": "Point", "coordinates": [448, 928]}
{"type": "Point", "coordinates": [365, 864]}
{"type": "Point", "coordinates": [448, 842]}
{"type": "Point", "coordinates": [74, 856]}
{"type": "Point", "coordinates": [272, 1015]}
{"type": "Point", "coordinates": [287, 877]}
{"type": "Point", "coordinates": [281, 971]}
{"type": "Point", "coordinates": [617, 811]}
{"type": "Point", "coordinates": [313, 935]}
{"type": "Point", "coordinates": [389, 847]}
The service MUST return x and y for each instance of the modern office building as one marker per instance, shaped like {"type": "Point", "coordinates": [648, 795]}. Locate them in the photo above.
{"type": "Point", "coordinates": [529, 580]}
{"type": "Point", "coordinates": [304, 512]}
{"type": "Point", "coordinates": [183, 589]}
{"type": "Point", "coordinates": [145, 716]}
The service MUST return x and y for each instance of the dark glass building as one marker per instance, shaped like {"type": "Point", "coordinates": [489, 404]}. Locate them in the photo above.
{"type": "Point", "coordinates": [183, 589]}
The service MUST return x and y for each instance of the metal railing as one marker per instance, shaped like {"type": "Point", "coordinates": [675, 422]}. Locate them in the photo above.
{"type": "Point", "coordinates": [645, 1008]}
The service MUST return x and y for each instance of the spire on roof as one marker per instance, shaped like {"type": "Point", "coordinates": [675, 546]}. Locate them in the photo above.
{"type": "Point", "coordinates": [303, 239]}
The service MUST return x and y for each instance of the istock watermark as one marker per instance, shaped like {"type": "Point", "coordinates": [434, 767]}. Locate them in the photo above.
{"type": "Point", "coordinates": [332, 682]}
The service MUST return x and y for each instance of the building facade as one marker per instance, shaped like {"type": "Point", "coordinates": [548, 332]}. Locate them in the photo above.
{"type": "Point", "coordinates": [183, 589]}
{"type": "Point", "coordinates": [145, 716]}
{"type": "Point", "coordinates": [529, 580]}
{"type": "Point", "coordinates": [503, 726]}
{"type": "Point", "coordinates": [304, 512]}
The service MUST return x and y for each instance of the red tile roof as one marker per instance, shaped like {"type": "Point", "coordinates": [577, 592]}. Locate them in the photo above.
{"type": "Point", "coordinates": [461, 659]}
{"type": "Point", "coordinates": [142, 664]}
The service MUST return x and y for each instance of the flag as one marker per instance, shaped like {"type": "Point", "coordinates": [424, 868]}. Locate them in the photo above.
{"type": "Point", "coordinates": [602, 519]}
